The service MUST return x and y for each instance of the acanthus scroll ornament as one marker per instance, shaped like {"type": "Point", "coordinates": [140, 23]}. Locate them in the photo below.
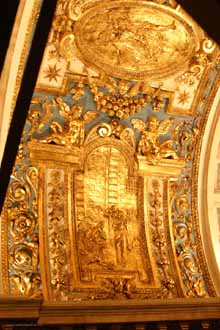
{"type": "Point", "coordinates": [23, 234]}
{"type": "Point", "coordinates": [186, 247]}
{"type": "Point", "coordinates": [159, 241]}
{"type": "Point", "coordinates": [56, 235]}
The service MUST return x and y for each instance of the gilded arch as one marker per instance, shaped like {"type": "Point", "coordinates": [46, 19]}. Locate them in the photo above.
{"type": "Point", "coordinates": [73, 96]}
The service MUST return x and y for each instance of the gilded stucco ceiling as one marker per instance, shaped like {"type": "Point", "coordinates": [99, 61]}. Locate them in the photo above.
{"type": "Point", "coordinates": [103, 199]}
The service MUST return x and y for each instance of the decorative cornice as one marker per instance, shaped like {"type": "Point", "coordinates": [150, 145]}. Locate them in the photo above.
{"type": "Point", "coordinates": [19, 308]}
{"type": "Point", "coordinates": [129, 311]}
{"type": "Point", "coordinates": [108, 312]}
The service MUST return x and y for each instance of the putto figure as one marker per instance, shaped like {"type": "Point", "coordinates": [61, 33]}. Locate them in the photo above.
{"type": "Point", "coordinates": [150, 144]}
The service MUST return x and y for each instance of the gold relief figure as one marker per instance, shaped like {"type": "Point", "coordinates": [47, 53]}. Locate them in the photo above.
{"type": "Point", "coordinates": [149, 144]}
{"type": "Point", "coordinates": [183, 237]}
{"type": "Point", "coordinates": [133, 41]}
{"type": "Point", "coordinates": [107, 226]}
{"type": "Point", "coordinates": [121, 235]}
{"type": "Point", "coordinates": [92, 243]}
{"type": "Point", "coordinates": [118, 288]}
{"type": "Point", "coordinates": [72, 132]}
{"type": "Point", "coordinates": [185, 244]}
{"type": "Point", "coordinates": [125, 40]}
{"type": "Point", "coordinates": [121, 241]}
{"type": "Point", "coordinates": [192, 276]}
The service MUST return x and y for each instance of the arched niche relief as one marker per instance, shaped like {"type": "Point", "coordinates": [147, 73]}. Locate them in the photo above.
{"type": "Point", "coordinates": [209, 192]}
{"type": "Point", "coordinates": [109, 215]}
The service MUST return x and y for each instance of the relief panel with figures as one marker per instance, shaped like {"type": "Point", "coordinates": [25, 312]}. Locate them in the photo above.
{"type": "Point", "coordinates": [100, 201]}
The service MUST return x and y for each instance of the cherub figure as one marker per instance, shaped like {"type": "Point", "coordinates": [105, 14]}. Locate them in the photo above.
{"type": "Point", "coordinates": [149, 144]}
{"type": "Point", "coordinates": [72, 132]}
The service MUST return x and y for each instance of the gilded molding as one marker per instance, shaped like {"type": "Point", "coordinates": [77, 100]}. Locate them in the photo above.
{"type": "Point", "coordinates": [15, 63]}
{"type": "Point", "coordinates": [4, 252]}
{"type": "Point", "coordinates": [27, 43]}
{"type": "Point", "coordinates": [195, 195]}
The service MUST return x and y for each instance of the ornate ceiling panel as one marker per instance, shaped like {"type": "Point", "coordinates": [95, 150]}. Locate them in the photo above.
{"type": "Point", "coordinates": [102, 202]}
{"type": "Point", "coordinates": [168, 51]}
{"type": "Point", "coordinates": [134, 41]}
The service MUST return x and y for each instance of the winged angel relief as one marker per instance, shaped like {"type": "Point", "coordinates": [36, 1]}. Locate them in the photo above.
{"type": "Point", "coordinates": [69, 134]}
{"type": "Point", "coordinates": [150, 144]}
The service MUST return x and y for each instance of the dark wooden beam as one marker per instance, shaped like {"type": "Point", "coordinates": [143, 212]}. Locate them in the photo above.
{"type": "Point", "coordinates": [25, 94]}
{"type": "Point", "coordinates": [206, 13]}
{"type": "Point", "coordinates": [8, 13]}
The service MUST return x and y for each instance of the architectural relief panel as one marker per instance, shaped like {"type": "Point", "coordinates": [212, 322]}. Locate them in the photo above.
{"type": "Point", "coordinates": [20, 261]}
{"type": "Point", "coordinates": [156, 43]}
{"type": "Point", "coordinates": [125, 43]}
{"type": "Point", "coordinates": [110, 235]}
{"type": "Point", "coordinates": [100, 202]}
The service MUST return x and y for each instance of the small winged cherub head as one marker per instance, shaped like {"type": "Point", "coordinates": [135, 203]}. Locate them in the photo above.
{"type": "Point", "coordinates": [152, 123]}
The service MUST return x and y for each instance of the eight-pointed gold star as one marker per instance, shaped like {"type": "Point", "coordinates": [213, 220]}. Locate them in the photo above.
{"type": "Point", "coordinates": [183, 97]}
{"type": "Point", "coordinates": [52, 72]}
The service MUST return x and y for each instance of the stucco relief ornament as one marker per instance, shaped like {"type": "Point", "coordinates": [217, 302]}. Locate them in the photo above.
{"type": "Point", "coordinates": [23, 245]}
{"type": "Point", "coordinates": [186, 245]}
{"type": "Point", "coordinates": [201, 59]}
{"type": "Point", "coordinates": [130, 39]}
{"type": "Point", "coordinates": [68, 130]}
{"type": "Point", "coordinates": [149, 144]}
{"type": "Point", "coordinates": [123, 99]}
{"type": "Point", "coordinates": [125, 39]}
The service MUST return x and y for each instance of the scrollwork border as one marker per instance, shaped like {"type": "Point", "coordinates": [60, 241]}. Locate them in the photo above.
{"type": "Point", "coordinates": [195, 177]}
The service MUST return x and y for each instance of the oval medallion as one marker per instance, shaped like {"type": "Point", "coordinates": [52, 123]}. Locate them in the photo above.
{"type": "Point", "coordinates": [134, 39]}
